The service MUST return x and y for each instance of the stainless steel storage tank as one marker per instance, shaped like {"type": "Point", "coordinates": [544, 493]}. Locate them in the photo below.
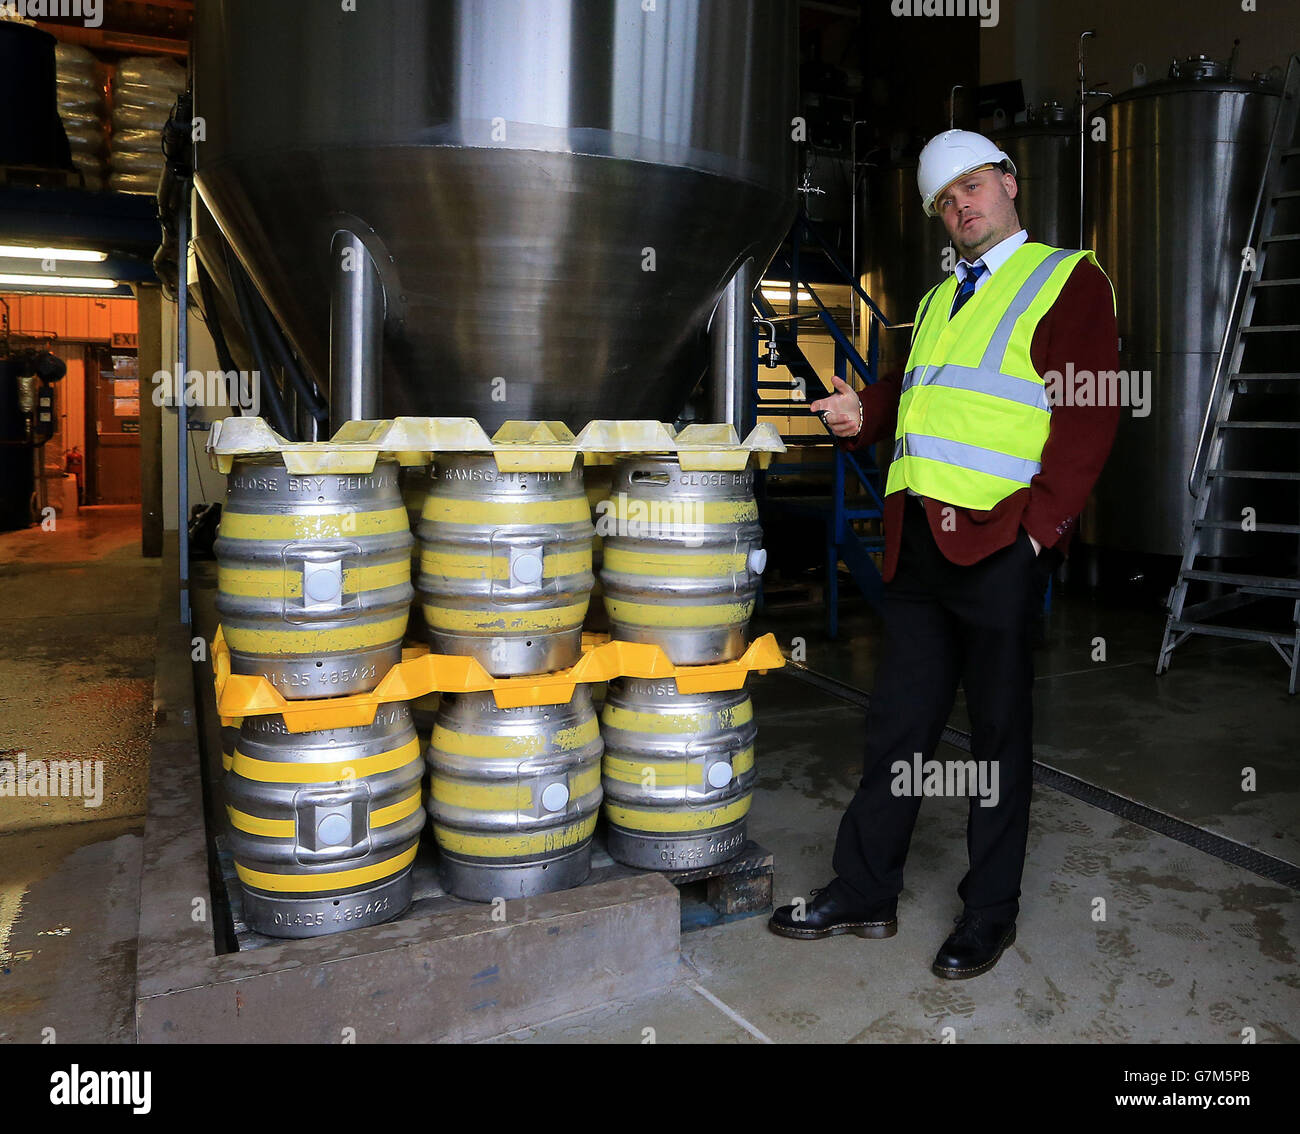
{"type": "Point", "coordinates": [554, 191]}
{"type": "Point", "coordinates": [900, 251]}
{"type": "Point", "coordinates": [1045, 148]}
{"type": "Point", "coordinates": [1168, 203]}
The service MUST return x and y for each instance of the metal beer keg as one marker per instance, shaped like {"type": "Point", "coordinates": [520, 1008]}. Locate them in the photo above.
{"type": "Point", "coordinates": [313, 576]}
{"type": "Point", "coordinates": [678, 773]}
{"type": "Point", "coordinates": [324, 825]}
{"type": "Point", "coordinates": [514, 794]}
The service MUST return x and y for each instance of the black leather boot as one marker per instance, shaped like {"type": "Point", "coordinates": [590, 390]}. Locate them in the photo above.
{"type": "Point", "coordinates": [973, 947]}
{"type": "Point", "coordinates": [828, 914]}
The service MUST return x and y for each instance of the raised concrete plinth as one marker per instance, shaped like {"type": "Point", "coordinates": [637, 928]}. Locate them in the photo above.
{"type": "Point", "coordinates": [444, 971]}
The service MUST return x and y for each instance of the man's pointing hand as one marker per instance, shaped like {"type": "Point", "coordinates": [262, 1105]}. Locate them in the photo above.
{"type": "Point", "coordinates": [843, 409]}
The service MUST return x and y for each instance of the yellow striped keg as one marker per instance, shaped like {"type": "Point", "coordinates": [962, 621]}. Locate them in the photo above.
{"type": "Point", "coordinates": [229, 741]}
{"type": "Point", "coordinates": [596, 480]}
{"type": "Point", "coordinates": [514, 795]}
{"type": "Point", "coordinates": [424, 711]}
{"type": "Point", "coordinates": [505, 564]}
{"type": "Point", "coordinates": [414, 480]}
{"type": "Point", "coordinates": [313, 576]}
{"type": "Point", "coordinates": [678, 774]}
{"type": "Point", "coordinates": [682, 558]}
{"type": "Point", "coordinates": [324, 825]}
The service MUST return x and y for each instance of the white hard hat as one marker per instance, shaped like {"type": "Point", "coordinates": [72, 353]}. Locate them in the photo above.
{"type": "Point", "coordinates": [951, 155]}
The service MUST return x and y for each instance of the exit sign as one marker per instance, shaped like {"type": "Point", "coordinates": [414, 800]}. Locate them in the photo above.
{"type": "Point", "coordinates": [124, 339]}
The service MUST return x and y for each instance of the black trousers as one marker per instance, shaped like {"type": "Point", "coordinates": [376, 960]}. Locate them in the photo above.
{"type": "Point", "coordinates": [946, 624]}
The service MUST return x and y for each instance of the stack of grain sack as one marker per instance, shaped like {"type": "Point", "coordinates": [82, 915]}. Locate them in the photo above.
{"type": "Point", "coordinates": [144, 92]}
{"type": "Point", "coordinates": [82, 110]}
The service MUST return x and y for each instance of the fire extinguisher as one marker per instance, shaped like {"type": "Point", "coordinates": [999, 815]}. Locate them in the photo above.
{"type": "Point", "coordinates": [75, 463]}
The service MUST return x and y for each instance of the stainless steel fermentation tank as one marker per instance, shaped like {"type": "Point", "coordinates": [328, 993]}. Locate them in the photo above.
{"type": "Point", "coordinates": [1045, 149]}
{"type": "Point", "coordinates": [1168, 204]}
{"type": "Point", "coordinates": [550, 193]}
{"type": "Point", "coordinates": [901, 250]}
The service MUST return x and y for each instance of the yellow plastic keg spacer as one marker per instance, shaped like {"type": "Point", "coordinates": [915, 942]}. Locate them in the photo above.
{"type": "Point", "coordinates": [421, 672]}
{"type": "Point", "coordinates": [518, 446]}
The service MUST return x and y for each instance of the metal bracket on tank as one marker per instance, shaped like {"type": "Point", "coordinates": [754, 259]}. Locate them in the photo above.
{"type": "Point", "coordinates": [395, 302]}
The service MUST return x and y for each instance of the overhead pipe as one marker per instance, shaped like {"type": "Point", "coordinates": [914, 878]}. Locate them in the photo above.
{"type": "Point", "coordinates": [1084, 95]}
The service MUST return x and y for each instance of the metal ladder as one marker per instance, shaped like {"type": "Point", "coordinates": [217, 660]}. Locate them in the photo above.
{"type": "Point", "coordinates": [1274, 226]}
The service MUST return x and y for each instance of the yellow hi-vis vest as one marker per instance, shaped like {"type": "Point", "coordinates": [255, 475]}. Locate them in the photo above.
{"type": "Point", "coordinates": [974, 413]}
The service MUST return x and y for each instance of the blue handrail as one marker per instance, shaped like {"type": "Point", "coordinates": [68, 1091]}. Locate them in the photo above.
{"type": "Point", "coordinates": [841, 540]}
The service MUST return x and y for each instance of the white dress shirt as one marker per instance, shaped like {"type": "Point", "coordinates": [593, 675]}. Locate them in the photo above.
{"type": "Point", "coordinates": [992, 260]}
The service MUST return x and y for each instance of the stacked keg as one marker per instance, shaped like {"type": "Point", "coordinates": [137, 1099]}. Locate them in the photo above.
{"type": "Point", "coordinates": [81, 109]}
{"type": "Point", "coordinates": [682, 563]}
{"type": "Point", "coordinates": [415, 487]}
{"type": "Point", "coordinates": [314, 591]}
{"type": "Point", "coordinates": [414, 480]}
{"type": "Point", "coordinates": [505, 577]}
{"type": "Point", "coordinates": [145, 89]}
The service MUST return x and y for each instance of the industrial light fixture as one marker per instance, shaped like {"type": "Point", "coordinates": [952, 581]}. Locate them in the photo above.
{"type": "Point", "coordinates": [28, 252]}
{"type": "Point", "coordinates": [782, 294]}
{"type": "Point", "coordinates": [66, 282]}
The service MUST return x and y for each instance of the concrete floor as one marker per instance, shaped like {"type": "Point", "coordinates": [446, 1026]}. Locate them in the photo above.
{"type": "Point", "coordinates": [1191, 949]}
{"type": "Point", "coordinates": [1177, 743]}
{"type": "Point", "coordinates": [76, 682]}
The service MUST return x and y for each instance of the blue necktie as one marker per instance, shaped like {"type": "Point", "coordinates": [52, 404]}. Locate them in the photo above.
{"type": "Point", "coordinates": [967, 288]}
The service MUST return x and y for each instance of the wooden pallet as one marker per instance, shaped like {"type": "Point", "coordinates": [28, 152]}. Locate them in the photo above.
{"type": "Point", "coordinates": [709, 895]}
{"type": "Point", "coordinates": [39, 177]}
{"type": "Point", "coordinates": [739, 887]}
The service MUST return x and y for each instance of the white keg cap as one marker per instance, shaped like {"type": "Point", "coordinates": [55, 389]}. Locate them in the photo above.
{"type": "Point", "coordinates": [555, 797]}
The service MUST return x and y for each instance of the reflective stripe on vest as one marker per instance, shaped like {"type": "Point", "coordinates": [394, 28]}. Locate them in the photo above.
{"type": "Point", "coordinates": [974, 453]}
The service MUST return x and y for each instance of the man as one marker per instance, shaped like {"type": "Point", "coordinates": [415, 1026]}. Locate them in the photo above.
{"type": "Point", "coordinates": [987, 478]}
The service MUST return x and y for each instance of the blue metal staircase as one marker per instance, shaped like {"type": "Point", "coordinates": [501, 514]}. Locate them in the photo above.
{"type": "Point", "coordinates": [844, 506]}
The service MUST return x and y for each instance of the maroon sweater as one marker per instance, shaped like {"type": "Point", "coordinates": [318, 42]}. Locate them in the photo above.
{"type": "Point", "coordinates": [1079, 328]}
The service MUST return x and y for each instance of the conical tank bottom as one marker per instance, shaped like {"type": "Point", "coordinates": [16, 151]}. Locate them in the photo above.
{"type": "Point", "coordinates": [521, 284]}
